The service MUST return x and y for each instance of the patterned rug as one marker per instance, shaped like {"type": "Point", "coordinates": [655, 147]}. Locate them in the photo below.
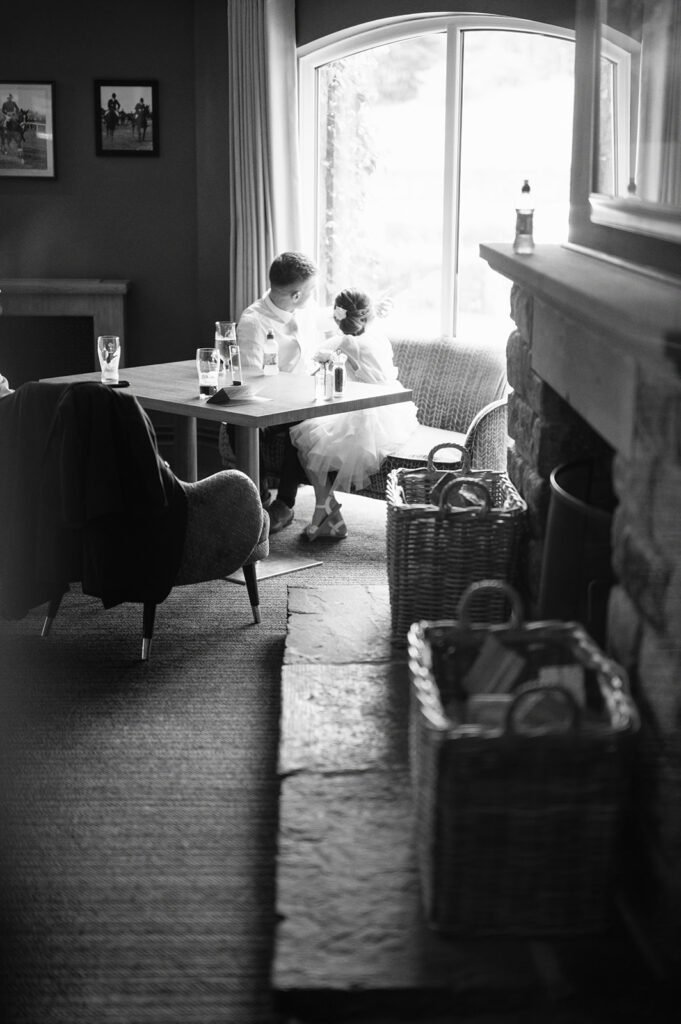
{"type": "Point", "coordinates": [140, 800]}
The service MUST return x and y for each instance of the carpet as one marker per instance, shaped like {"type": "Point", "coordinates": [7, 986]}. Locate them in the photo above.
{"type": "Point", "coordinates": [139, 800]}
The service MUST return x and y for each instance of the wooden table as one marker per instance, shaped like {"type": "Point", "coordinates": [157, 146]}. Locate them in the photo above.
{"type": "Point", "coordinates": [286, 398]}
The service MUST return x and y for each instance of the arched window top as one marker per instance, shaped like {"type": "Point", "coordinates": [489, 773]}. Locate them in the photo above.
{"type": "Point", "coordinates": [415, 135]}
{"type": "Point", "coordinates": [386, 30]}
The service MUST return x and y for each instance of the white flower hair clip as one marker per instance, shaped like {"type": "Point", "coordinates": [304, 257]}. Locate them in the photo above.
{"type": "Point", "coordinates": [339, 313]}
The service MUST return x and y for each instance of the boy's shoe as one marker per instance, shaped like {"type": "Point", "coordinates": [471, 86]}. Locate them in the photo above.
{"type": "Point", "coordinates": [280, 515]}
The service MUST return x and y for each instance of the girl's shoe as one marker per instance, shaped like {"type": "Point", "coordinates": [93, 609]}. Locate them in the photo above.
{"type": "Point", "coordinates": [332, 525]}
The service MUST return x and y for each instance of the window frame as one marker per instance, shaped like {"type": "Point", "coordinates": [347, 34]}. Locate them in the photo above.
{"type": "Point", "coordinates": [619, 59]}
{"type": "Point", "coordinates": [357, 38]}
{"type": "Point", "coordinates": [615, 229]}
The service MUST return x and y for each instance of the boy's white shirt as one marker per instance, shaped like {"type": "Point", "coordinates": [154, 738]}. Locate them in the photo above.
{"type": "Point", "coordinates": [299, 334]}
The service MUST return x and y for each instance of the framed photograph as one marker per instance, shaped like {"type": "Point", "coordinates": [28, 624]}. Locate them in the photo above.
{"type": "Point", "coordinates": [126, 117]}
{"type": "Point", "coordinates": [27, 129]}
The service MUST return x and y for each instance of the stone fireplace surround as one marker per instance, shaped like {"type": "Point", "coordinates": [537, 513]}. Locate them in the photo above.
{"type": "Point", "coordinates": [595, 368]}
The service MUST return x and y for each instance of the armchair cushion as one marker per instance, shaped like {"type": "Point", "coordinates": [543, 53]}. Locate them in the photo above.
{"type": "Point", "coordinates": [424, 439]}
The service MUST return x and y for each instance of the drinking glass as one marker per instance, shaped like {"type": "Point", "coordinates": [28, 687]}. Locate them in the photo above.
{"type": "Point", "coordinates": [208, 369]}
{"type": "Point", "coordinates": [323, 381]}
{"type": "Point", "coordinates": [109, 352]}
{"type": "Point", "coordinates": [225, 335]}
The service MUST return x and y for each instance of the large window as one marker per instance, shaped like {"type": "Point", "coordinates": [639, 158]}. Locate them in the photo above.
{"type": "Point", "coordinates": [415, 139]}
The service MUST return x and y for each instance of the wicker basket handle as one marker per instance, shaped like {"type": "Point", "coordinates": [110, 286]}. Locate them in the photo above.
{"type": "Point", "coordinates": [466, 481]}
{"type": "Point", "coordinates": [566, 720]}
{"type": "Point", "coordinates": [498, 586]}
{"type": "Point", "coordinates": [460, 467]}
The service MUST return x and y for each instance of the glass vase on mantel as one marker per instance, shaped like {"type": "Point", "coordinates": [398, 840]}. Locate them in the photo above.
{"type": "Point", "coordinates": [523, 243]}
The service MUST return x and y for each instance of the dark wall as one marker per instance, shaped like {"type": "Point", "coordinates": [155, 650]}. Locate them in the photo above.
{"type": "Point", "coordinates": [160, 223]}
{"type": "Point", "coordinates": [109, 217]}
{"type": "Point", "coordinates": [317, 18]}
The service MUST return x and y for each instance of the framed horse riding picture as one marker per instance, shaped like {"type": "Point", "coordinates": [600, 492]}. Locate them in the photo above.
{"type": "Point", "coordinates": [27, 129]}
{"type": "Point", "coordinates": [126, 117]}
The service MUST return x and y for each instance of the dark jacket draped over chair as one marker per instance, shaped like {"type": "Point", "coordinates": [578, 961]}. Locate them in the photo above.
{"type": "Point", "coordinates": [84, 495]}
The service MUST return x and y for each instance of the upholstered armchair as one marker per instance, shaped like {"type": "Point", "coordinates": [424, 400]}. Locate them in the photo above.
{"type": "Point", "coordinates": [87, 498]}
{"type": "Point", "coordinates": [227, 529]}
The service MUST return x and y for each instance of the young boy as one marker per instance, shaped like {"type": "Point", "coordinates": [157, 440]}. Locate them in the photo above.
{"type": "Point", "coordinates": [286, 310]}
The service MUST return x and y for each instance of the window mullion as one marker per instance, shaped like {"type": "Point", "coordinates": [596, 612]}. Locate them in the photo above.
{"type": "Point", "coordinates": [452, 163]}
{"type": "Point", "coordinates": [307, 148]}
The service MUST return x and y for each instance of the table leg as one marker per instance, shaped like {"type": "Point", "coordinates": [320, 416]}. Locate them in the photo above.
{"type": "Point", "coordinates": [247, 452]}
{"type": "Point", "coordinates": [186, 462]}
{"type": "Point", "coordinates": [246, 443]}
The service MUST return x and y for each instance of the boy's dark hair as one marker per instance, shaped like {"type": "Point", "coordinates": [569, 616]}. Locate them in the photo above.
{"type": "Point", "coordinates": [290, 267]}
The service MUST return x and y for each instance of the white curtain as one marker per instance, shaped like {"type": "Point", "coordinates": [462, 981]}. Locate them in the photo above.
{"type": "Point", "coordinates": [670, 186]}
{"type": "Point", "coordinates": [659, 158]}
{"type": "Point", "coordinates": [263, 144]}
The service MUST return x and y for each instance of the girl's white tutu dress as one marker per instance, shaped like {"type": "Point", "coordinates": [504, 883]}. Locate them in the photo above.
{"type": "Point", "coordinates": [354, 444]}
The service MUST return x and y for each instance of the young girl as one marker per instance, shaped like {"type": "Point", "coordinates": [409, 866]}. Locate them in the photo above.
{"type": "Point", "coordinates": [341, 452]}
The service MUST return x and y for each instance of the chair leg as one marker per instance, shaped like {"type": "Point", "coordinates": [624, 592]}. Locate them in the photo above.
{"type": "Point", "coordinates": [148, 616]}
{"type": "Point", "coordinates": [52, 609]}
{"type": "Point", "coordinates": [252, 588]}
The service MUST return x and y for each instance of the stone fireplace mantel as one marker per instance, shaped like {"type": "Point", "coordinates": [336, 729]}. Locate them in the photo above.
{"type": "Point", "coordinates": [595, 322]}
{"type": "Point", "coordinates": [639, 306]}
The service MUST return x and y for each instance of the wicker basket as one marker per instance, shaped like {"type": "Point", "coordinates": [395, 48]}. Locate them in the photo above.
{"type": "Point", "coordinates": [435, 549]}
{"type": "Point", "coordinates": [518, 822]}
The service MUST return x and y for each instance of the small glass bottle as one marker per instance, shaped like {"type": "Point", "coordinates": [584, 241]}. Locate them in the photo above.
{"type": "Point", "coordinates": [270, 363]}
{"type": "Point", "coordinates": [523, 244]}
{"type": "Point", "coordinates": [235, 363]}
{"type": "Point", "coordinates": [323, 377]}
{"type": "Point", "coordinates": [338, 371]}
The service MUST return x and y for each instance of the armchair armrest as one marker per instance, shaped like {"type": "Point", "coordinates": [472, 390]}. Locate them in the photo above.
{"type": "Point", "coordinates": [487, 437]}
{"type": "Point", "coordinates": [227, 527]}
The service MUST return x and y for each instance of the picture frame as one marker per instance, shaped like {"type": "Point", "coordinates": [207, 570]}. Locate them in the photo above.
{"type": "Point", "coordinates": [27, 129]}
{"type": "Point", "coordinates": [126, 117]}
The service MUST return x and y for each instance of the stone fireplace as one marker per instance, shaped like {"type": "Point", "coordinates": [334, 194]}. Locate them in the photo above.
{"type": "Point", "coordinates": [595, 368]}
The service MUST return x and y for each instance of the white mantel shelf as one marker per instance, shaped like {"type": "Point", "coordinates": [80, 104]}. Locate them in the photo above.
{"type": "Point", "coordinates": [100, 299]}
{"type": "Point", "coordinates": [622, 301]}
{"type": "Point", "coordinates": [61, 286]}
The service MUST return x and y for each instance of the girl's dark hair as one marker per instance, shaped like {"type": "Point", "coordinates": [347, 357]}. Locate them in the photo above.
{"type": "Point", "coordinates": [357, 308]}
